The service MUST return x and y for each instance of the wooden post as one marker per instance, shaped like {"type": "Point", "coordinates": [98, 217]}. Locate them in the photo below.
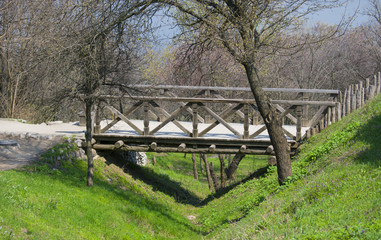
{"type": "Point", "coordinates": [222, 170]}
{"type": "Point", "coordinates": [329, 116]}
{"type": "Point", "coordinates": [255, 118]}
{"type": "Point", "coordinates": [338, 108]}
{"type": "Point", "coordinates": [353, 100]}
{"type": "Point", "coordinates": [207, 169]}
{"type": "Point", "coordinates": [305, 110]}
{"type": "Point", "coordinates": [334, 110]}
{"type": "Point", "coordinates": [349, 99]}
{"type": "Point", "coordinates": [372, 91]}
{"type": "Point", "coordinates": [146, 119]}
{"type": "Point", "coordinates": [246, 122]}
{"type": "Point", "coordinates": [195, 173]}
{"type": "Point", "coordinates": [344, 104]}
{"type": "Point", "coordinates": [367, 84]}
{"type": "Point", "coordinates": [97, 120]}
{"type": "Point", "coordinates": [298, 123]}
{"type": "Point", "coordinates": [154, 160]}
{"type": "Point", "coordinates": [195, 120]}
{"type": "Point", "coordinates": [208, 118]}
{"type": "Point", "coordinates": [358, 98]}
{"type": "Point", "coordinates": [214, 177]}
{"type": "Point", "coordinates": [361, 91]}
{"type": "Point", "coordinates": [201, 165]}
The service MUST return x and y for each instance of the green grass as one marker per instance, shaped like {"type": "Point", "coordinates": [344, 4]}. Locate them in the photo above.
{"type": "Point", "coordinates": [335, 193]}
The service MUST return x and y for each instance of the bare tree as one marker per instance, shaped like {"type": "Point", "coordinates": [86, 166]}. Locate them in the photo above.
{"type": "Point", "coordinates": [247, 30]}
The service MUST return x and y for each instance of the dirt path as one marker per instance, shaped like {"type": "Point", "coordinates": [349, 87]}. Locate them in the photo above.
{"type": "Point", "coordinates": [32, 139]}
{"type": "Point", "coordinates": [28, 150]}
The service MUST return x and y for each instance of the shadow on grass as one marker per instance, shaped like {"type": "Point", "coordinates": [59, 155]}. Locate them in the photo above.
{"type": "Point", "coordinates": [76, 177]}
{"type": "Point", "coordinates": [159, 182]}
{"type": "Point", "coordinates": [257, 174]}
{"type": "Point", "coordinates": [370, 134]}
{"type": "Point", "coordinates": [164, 184]}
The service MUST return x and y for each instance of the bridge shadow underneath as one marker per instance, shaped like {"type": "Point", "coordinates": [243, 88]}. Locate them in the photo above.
{"type": "Point", "coordinates": [163, 183]}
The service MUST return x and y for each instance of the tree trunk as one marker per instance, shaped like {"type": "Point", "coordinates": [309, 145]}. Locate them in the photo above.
{"type": "Point", "coordinates": [222, 170]}
{"type": "Point", "coordinates": [195, 174]}
{"type": "Point", "coordinates": [208, 175]}
{"type": "Point", "coordinates": [234, 164]}
{"type": "Point", "coordinates": [214, 177]}
{"type": "Point", "coordinates": [201, 166]}
{"type": "Point", "coordinates": [273, 124]}
{"type": "Point", "coordinates": [88, 137]}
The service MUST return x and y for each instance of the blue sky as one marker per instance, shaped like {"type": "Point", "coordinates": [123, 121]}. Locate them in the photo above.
{"type": "Point", "coordinates": [333, 16]}
{"type": "Point", "coordinates": [329, 16]}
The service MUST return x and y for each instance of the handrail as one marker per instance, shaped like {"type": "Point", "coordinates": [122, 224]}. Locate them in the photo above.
{"type": "Point", "coordinates": [244, 89]}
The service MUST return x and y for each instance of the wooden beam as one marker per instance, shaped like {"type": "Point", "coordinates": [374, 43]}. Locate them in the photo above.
{"type": "Point", "coordinates": [125, 119]}
{"type": "Point", "coordinates": [183, 104]}
{"type": "Point", "coordinates": [111, 147]}
{"type": "Point", "coordinates": [288, 90]}
{"type": "Point", "coordinates": [223, 122]}
{"type": "Point", "coordinates": [167, 115]}
{"type": "Point", "coordinates": [170, 118]}
{"type": "Point", "coordinates": [316, 118]}
{"type": "Point", "coordinates": [216, 100]}
{"type": "Point", "coordinates": [224, 115]}
{"type": "Point", "coordinates": [110, 125]}
{"type": "Point", "coordinates": [288, 115]}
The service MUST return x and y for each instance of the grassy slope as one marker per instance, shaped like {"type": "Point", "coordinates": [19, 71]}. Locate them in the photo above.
{"type": "Point", "coordinates": [335, 193]}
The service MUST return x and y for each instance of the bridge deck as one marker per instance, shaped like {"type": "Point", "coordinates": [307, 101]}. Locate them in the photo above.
{"type": "Point", "coordinates": [172, 139]}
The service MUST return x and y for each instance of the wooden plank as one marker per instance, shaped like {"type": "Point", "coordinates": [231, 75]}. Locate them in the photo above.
{"type": "Point", "coordinates": [224, 115]}
{"type": "Point", "coordinates": [170, 118]}
{"type": "Point", "coordinates": [222, 121]}
{"type": "Point", "coordinates": [125, 119]}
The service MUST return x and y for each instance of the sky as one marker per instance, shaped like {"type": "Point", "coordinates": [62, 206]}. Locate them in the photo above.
{"type": "Point", "coordinates": [329, 16]}
{"type": "Point", "coordinates": [334, 16]}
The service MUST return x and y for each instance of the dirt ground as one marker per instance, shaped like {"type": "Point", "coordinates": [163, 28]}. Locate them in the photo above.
{"type": "Point", "coordinates": [28, 150]}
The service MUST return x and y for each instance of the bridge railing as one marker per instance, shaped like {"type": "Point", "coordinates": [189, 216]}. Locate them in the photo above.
{"type": "Point", "coordinates": [214, 105]}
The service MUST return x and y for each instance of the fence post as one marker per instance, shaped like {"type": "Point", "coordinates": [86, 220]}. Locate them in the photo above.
{"type": "Point", "coordinates": [305, 110]}
{"type": "Point", "coordinates": [195, 120]}
{"type": "Point", "coordinates": [246, 122]}
{"type": "Point", "coordinates": [344, 103]}
{"type": "Point", "coordinates": [298, 123]}
{"type": "Point", "coordinates": [367, 83]}
{"type": "Point", "coordinates": [349, 99]}
{"type": "Point", "coordinates": [146, 119]}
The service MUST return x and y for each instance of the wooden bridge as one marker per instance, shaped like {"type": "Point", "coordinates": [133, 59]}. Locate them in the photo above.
{"type": "Point", "coordinates": [192, 119]}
